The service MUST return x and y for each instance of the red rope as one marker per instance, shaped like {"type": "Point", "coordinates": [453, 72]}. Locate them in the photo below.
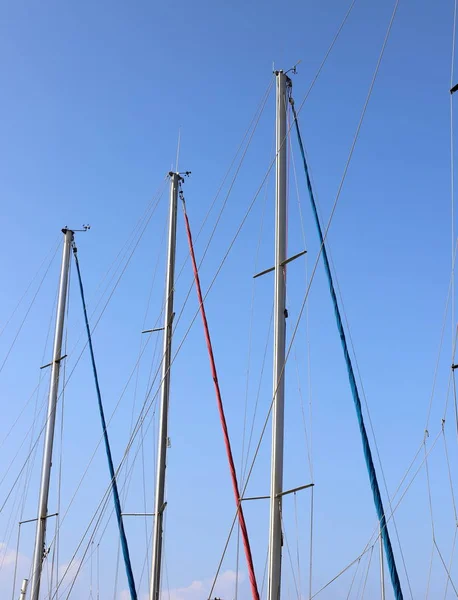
{"type": "Point", "coordinates": [235, 485]}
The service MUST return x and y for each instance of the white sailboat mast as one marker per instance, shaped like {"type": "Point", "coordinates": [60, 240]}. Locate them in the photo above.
{"type": "Point", "coordinates": [159, 505]}
{"type": "Point", "coordinates": [51, 420]}
{"type": "Point", "coordinates": [275, 533]}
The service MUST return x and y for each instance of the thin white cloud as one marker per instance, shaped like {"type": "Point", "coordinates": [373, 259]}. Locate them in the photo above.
{"type": "Point", "coordinates": [8, 558]}
{"type": "Point", "coordinates": [200, 589]}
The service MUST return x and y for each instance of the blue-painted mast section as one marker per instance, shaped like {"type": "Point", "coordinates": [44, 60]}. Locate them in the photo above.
{"type": "Point", "coordinates": [117, 503]}
{"type": "Point", "coordinates": [354, 388]}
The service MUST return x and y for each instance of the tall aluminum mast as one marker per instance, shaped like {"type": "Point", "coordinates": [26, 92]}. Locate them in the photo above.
{"type": "Point", "coordinates": [51, 420]}
{"type": "Point", "coordinates": [159, 505]}
{"type": "Point", "coordinates": [275, 533]}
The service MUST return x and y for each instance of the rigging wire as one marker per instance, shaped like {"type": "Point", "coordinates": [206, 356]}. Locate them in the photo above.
{"type": "Point", "coordinates": [367, 573]}
{"type": "Point", "coordinates": [30, 436]}
{"type": "Point", "coordinates": [235, 485]}
{"type": "Point", "coordinates": [247, 379]}
{"type": "Point", "coordinates": [307, 432]}
{"type": "Point", "coordinates": [134, 404]}
{"type": "Point", "coordinates": [441, 342]}
{"type": "Point", "coordinates": [354, 388]}
{"type": "Point", "coordinates": [449, 577]}
{"type": "Point", "coordinates": [102, 507]}
{"type": "Point", "coordinates": [326, 230]}
{"type": "Point", "coordinates": [98, 572]}
{"type": "Point", "coordinates": [357, 560]}
{"type": "Point", "coordinates": [296, 522]}
{"type": "Point", "coordinates": [452, 172]}
{"type": "Point", "coordinates": [296, 362]}
{"type": "Point", "coordinates": [353, 579]}
{"type": "Point", "coordinates": [129, 244]}
{"type": "Point", "coordinates": [56, 545]}
{"type": "Point", "coordinates": [117, 282]}
{"type": "Point", "coordinates": [247, 213]}
{"type": "Point", "coordinates": [80, 355]}
{"type": "Point", "coordinates": [10, 318]}
{"type": "Point", "coordinates": [250, 327]}
{"type": "Point", "coordinates": [247, 136]}
{"type": "Point", "coordinates": [311, 541]}
{"type": "Point", "coordinates": [25, 464]}
{"type": "Point", "coordinates": [451, 562]}
{"type": "Point", "coordinates": [32, 302]}
{"type": "Point", "coordinates": [124, 545]}
{"type": "Point", "coordinates": [258, 393]}
{"type": "Point", "coordinates": [237, 234]}
{"type": "Point", "coordinates": [16, 558]}
{"type": "Point", "coordinates": [288, 550]}
{"type": "Point", "coordinates": [105, 306]}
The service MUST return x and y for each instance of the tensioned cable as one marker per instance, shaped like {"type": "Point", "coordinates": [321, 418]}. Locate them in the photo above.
{"type": "Point", "coordinates": [56, 546]}
{"type": "Point", "coordinates": [235, 484]}
{"type": "Point", "coordinates": [143, 222]}
{"type": "Point", "coordinates": [130, 240]}
{"type": "Point", "coordinates": [250, 329]}
{"type": "Point", "coordinates": [449, 578]}
{"type": "Point", "coordinates": [323, 63]}
{"type": "Point", "coordinates": [176, 353]}
{"type": "Point", "coordinates": [307, 431]}
{"type": "Point", "coordinates": [308, 439]}
{"type": "Point", "coordinates": [353, 579]}
{"type": "Point", "coordinates": [98, 320]}
{"type": "Point", "coordinates": [326, 230]}
{"type": "Point", "coordinates": [367, 573]}
{"type": "Point", "coordinates": [288, 550]}
{"type": "Point", "coordinates": [96, 323]}
{"type": "Point", "coordinates": [106, 304]}
{"type": "Point", "coordinates": [238, 231]}
{"type": "Point", "coordinates": [25, 464]}
{"type": "Point", "coordinates": [451, 561]}
{"type": "Point", "coordinates": [296, 522]}
{"type": "Point", "coordinates": [218, 219]}
{"type": "Point", "coordinates": [258, 393]}
{"type": "Point", "coordinates": [103, 503]}
{"type": "Point", "coordinates": [353, 384]}
{"type": "Point", "coordinates": [117, 503]}
{"type": "Point", "coordinates": [36, 394]}
{"type": "Point", "coordinates": [441, 341]}
{"type": "Point", "coordinates": [27, 312]}
{"type": "Point", "coordinates": [340, 573]}
{"type": "Point", "coordinates": [254, 199]}
{"type": "Point", "coordinates": [10, 318]}
{"type": "Point", "coordinates": [452, 170]}
{"type": "Point", "coordinates": [134, 404]}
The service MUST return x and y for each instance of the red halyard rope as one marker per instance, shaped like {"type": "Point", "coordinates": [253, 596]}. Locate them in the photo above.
{"type": "Point", "coordinates": [235, 485]}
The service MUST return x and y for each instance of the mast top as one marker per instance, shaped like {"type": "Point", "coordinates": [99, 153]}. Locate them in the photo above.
{"type": "Point", "coordinates": [66, 229]}
{"type": "Point", "coordinates": [185, 173]}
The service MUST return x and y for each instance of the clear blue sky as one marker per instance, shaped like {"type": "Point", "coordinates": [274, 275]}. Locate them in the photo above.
{"type": "Point", "coordinates": [92, 98]}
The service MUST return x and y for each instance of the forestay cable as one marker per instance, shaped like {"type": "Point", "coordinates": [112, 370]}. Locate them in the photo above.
{"type": "Point", "coordinates": [354, 388]}
{"type": "Point", "coordinates": [122, 533]}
